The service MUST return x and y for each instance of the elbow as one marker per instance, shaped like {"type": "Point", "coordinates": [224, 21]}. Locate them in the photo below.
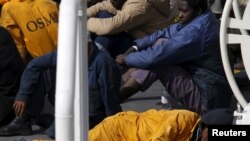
{"type": "Point", "coordinates": [100, 31]}
{"type": "Point", "coordinates": [105, 31]}
{"type": "Point", "coordinates": [141, 65]}
{"type": "Point", "coordinates": [149, 64]}
{"type": "Point", "coordinates": [98, 28]}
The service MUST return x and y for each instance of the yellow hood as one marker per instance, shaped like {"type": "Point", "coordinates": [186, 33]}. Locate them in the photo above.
{"type": "Point", "coordinates": [2, 2]}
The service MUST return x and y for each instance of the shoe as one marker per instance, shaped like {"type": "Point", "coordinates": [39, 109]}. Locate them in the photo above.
{"type": "Point", "coordinates": [5, 108]}
{"type": "Point", "coordinates": [45, 120]}
{"type": "Point", "coordinates": [51, 131]}
{"type": "Point", "coordinates": [167, 106]}
{"type": "Point", "coordinates": [171, 103]}
{"type": "Point", "coordinates": [8, 118]}
{"type": "Point", "coordinates": [18, 126]}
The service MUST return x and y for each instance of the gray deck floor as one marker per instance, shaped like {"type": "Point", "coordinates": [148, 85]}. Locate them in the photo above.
{"type": "Point", "coordinates": [139, 102]}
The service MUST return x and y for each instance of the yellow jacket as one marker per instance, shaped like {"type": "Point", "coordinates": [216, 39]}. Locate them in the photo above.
{"type": "Point", "coordinates": [152, 125]}
{"type": "Point", "coordinates": [33, 24]}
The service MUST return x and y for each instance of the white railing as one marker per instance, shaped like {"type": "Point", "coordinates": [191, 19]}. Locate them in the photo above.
{"type": "Point", "coordinates": [72, 82]}
{"type": "Point", "coordinates": [240, 21]}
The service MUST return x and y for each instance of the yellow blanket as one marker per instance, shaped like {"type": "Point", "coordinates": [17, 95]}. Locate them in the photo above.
{"type": "Point", "coordinates": [152, 125]}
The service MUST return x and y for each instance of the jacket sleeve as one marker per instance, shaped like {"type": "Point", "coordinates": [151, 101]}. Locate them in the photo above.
{"type": "Point", "coordinates": [179, 48]}
{"type": "Point", "coordinates": [32, 73]}
{"type": "Point", "coordinates": [105, 5]}
{"type": "Point", "coordinates": [149, 40]}
{"type": "Point", "coordinates": [131, 16]}
{"type": "Point", "coordinates": [9, 23]}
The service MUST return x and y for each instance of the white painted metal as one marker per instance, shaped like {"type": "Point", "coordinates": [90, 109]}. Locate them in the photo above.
{"type": "Point", "coordinates": [216, 7]}
{"type": "Point", "coordinates": [65, 81]}
{"type": "Point", "coordinates": [242, 23]}
{"type": "Point", "coordinates": [238, 15]}
{"type": "Point", "coordinates": [225, 39]}
{"type": "Point", "coordinates": [81, 91]}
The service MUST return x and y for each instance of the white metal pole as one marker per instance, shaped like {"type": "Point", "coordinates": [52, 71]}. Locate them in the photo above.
{"type": "Point", "coordinates": [66, 70]}
{"type": "Point", "coordinates": [81, 91]}
{"type": "Point", "coordinates": [238, 14]}
{"type": "Point", "coordinates": [224, 54]}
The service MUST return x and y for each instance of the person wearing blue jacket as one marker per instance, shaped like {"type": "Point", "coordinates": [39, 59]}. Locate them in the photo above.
{"type": "Point", "coordinates": [185, 57]}
{"type": "Point", "coordinates": [39, 78]}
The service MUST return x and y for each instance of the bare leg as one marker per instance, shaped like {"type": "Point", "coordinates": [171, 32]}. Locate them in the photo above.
{"type": "Point", "coordinates": [126, 75]}
{"type": "Point", "coordinates": [130, 87]}
{"type": "Point", "coordinates": [136, 80]}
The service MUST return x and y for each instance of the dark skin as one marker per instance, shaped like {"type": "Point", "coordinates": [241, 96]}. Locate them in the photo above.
{"type": "Point", "coordinates": [120, 59]}
{"type": "Point", "coordinates": [131, 86]}
{"type": "Point", "coordinates": [204, 134]}
{"type": "Point", "coordinates": [186, 15]}
{"type": "Point", "coordinates": [20, 107]}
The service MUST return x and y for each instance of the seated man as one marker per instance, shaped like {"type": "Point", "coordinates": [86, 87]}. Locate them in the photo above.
{"type": "Point", "coordinates": [117, 23]}
{"type": "Point", "coordinates": [162, 125]}
{"type": "Point", "coordinates": [11, 69]}
{"type": "Point", "coordinates": [185, 57]}
{"type": "Point", "coordinates": [39, 79]}
{"type": "Point", "coordinates": [33, 25]}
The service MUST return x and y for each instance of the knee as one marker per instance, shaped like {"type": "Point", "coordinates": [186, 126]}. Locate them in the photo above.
{"type": "Point", "coordinates": [103, 42]}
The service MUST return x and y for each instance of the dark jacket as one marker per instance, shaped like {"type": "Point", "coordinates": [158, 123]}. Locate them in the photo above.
{"type": "Point", "coordinates": [103, 78]}
{"type": "Point", "coordinates": [104, 86]}
{"type": "Point", "coordinates": [39, 69]}
{"type": "Point", "coordinates": [11, 65]}
{"type": "Point", "coordinates": [195, 46]}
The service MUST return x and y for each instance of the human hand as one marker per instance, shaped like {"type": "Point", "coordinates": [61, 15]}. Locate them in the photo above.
{"type": "Point", "coordinates": [120, 59]}
{"type": "Point", "coordinates": [130, 50]}
{"type": "Point", "coordinates": [19, 107]}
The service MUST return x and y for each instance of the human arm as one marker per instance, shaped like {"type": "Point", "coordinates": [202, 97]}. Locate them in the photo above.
{"type": "Point", "coordinates": [132, 15]}
{"type": "Point", "coordinates": [10, 24]}
{"type": "Point", "coordinates": [104, 5]}
{"type": "Point", "coordinates": [141, 44]}
{"type": "Point", "coordinates": [148, 41]}
{"type": "Point", "coordinates": [32, 73]}
{"type": "Point", "coordinates": [179, 48]}
{"type": "Point", "coordinates": [120, 59]}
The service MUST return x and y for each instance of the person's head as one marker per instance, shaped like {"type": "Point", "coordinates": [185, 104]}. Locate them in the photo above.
{"type": "Point", "coordinates": [221, 116]}
{"type": "Point", "coordinates": [189, 9]}
{"type": "Point", "coordinates": [118, 3]}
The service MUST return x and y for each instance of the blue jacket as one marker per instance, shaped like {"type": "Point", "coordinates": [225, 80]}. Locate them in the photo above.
{"type": "Point", "coordinates": [195, 46]}
{"type": "Point", "coordinates": [103, 76]}
{"type": "Point", "coordinates": [42, 68]}
{"type": "Point", "coordinates": [104, 84]}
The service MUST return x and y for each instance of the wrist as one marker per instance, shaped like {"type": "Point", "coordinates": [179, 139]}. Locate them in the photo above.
{"type": "Point", "coordinates": [136, 48]}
